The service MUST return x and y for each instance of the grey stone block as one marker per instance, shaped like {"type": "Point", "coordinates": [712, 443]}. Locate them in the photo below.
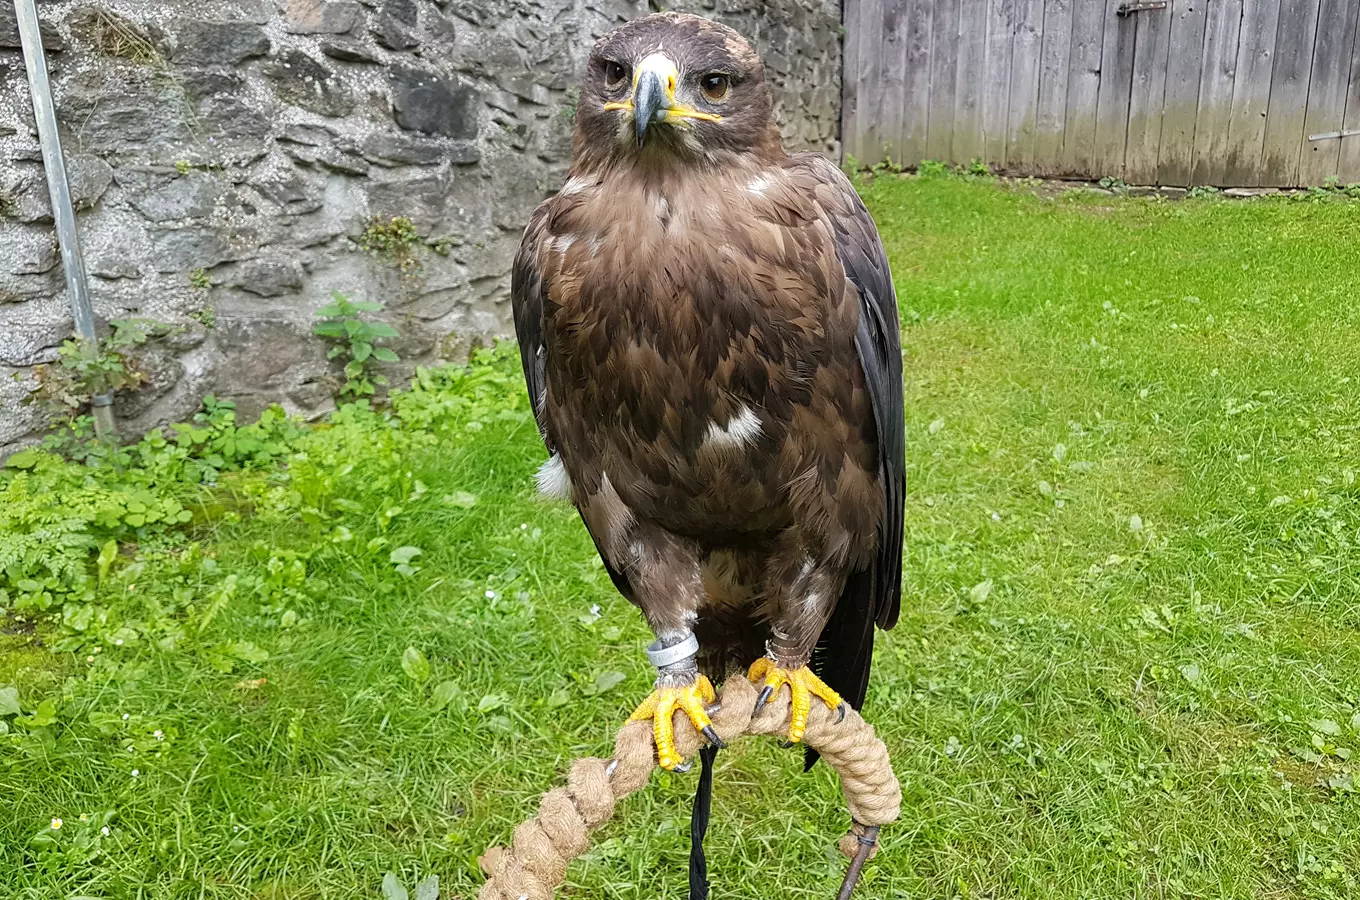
{"type": "Point", "coordinates": [435, 104]}
{"type": "Point", "coordinates": [200, 42]}
{"type": "Point", "coordinates": [302, 81]}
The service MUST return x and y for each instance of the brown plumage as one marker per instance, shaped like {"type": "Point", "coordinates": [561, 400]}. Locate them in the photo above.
{"type": "Point", "coordinates": [710, 339]}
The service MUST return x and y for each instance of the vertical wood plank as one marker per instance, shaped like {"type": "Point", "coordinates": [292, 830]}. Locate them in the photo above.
{"type": "Point", "coordinates": [1029, 26]}
{"type": "Point", "coordinates": [1086, 77]}
{"type": "Point", "coordinates": [849, 98]}
{"type": "Point", "coordinates": [1147, 94]}
{"type": "Point", "coordinates": [1216, 91]}
{"type": "Point", "coordinates": [1294, 41]}
{"type": "Point", "coordinates": [892, 76]}
{"type": "Point", "coordinates": [944, 61]}
{"type": "Point", "coordinates": [1184, 64]}
{"type": "Point", "coordinates": [911, 138]}
{"type": "Point", "coordinates": [1054, 73]}
{"type": "Point", "coordinates": [1116, 84]}
{"type": "Point", "coordinates": [971, 68]}
{"type": "Point", "coordinates": [1348, 166]}
{"type": "Point", "coordinates": [1327, 89]}
{"type": "Point", "coordinates": [1251, 93]}
{"type": "Point", "coordinates": [997, 85]}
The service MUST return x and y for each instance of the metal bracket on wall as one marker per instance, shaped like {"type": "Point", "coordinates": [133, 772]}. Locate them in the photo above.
{"type": "Point", "coordinates": [1329, 135]}
{"type": "Point", "coordinates": [59, 189]}
{"type": "Point", "coordinates": [1128, 9]}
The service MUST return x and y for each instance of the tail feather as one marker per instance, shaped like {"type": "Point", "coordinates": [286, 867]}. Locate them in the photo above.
{"type": "Point", "coordinates": [846, 646]}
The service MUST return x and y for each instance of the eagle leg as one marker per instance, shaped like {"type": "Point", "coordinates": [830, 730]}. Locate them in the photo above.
{"type": "Point", "coordinates": [803, 685]}
{"type": "Point", "coordinates": [801, 589]}
{"type": "Point", "coordinates": [662, 705]}
{"type": "Point", "coordinates": [679, 688]}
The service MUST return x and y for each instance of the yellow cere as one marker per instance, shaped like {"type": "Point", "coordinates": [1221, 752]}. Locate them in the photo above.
{"type": "Point", "coordinates": [662, 66]}
{"type": "Point", "coordinates": [675, 112]}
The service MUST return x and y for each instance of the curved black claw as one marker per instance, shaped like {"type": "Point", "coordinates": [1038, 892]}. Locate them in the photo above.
{"type": "Point", "coordinates": [683, 767]}
{"type": "Point", "coordinates": [765, 696]}
{"type": "Point", "coordinates": [713, 737]}
{"type": "Point", "coordinates": [786, 745]}
{"type": "Point", "coordinates": [840, 713]}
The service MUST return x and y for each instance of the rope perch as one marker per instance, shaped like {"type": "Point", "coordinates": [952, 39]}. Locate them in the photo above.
{"type": "Point", "coordinates": [536, 862]}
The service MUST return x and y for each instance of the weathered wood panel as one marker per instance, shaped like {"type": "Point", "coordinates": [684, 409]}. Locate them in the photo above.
{"type": "Point", "coordinates": [1348, 165]}
{"type": "Point", "coordinates": [1085, 89]}
{"type": "Point", "coordinates": [1218, 72]}
{"type": "Point", "coordinates": [1194, 92]}
{"type": "Point", "coordinates": [1294, 40]}
{"type": "Point", "coordinates": [1251, 92]}
{"type": "Point", "coordinates": [969, 76]}
{"type": "Point", "coordinates": [1024, 99]}
{"type": "Point", "coordinates": [854, 127]}
{"type": "Point", "coordinates": [892, 78]}
{"type": "Point", "coordinates": [911, 141]}
{"type": "Point", "coordinates": [1116, 85]}
{"type": "Point", "coordinates": [1054, 74]}
{"type": "Point", "coordinates": [1176, 156]}
{"type": "Point", "coordinates": [997, 85]}
{"type": "Point", "coordinates": [1319, 160]}
{"type": "Point", "coordinates": [1147, 95]}
{"type": "Point", "coordinates": [944, 62]}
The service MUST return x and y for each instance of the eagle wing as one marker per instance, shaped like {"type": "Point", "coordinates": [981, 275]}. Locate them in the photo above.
{"type": "Point", "coordinates": [527, 278]}
{"type": "Point", "coordinates": [874, 594]}
{"type": "Point", "coordinates": [526, 303]}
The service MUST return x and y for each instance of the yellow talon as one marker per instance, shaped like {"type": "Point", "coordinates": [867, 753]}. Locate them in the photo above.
{"type": "Point", "coordinates": [661, 707]}
{"type": "Point", "coordinates": [803, 686]}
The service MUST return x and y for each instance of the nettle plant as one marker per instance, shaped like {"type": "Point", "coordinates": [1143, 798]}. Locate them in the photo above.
{"type": "Point", "coordinates": [66, 386]}
{"type": "Point", "coordinates": [357, 340]}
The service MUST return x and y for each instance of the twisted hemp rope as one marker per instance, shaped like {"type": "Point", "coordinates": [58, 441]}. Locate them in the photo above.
{"type": "Point", "coordinates": [536, 862]}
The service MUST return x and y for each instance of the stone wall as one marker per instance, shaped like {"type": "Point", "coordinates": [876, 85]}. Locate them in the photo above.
{"type": "Point", "coordinates": [228, 156]}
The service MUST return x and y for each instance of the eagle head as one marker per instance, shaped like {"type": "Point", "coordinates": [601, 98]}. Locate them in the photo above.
{"type": "Point", "coordinates": [677, 84]}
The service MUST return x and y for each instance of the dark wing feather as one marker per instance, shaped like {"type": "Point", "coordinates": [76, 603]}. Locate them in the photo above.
{"type": "Point", "coordinates": [873, 595]}
{"type": "Point", "coordinates": [527, 286]}
{"type": "Point", "coordinates": [526, 303]}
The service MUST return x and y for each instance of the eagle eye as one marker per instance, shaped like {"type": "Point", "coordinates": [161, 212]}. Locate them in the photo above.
{"type": "Point", "coordinates": [715, 85]}
{"type": "Point", "coordinates": [614, 74]}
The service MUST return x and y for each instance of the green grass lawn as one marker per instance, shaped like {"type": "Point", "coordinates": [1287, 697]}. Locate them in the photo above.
{"type": "Point", "coordinates": [1128, 664]}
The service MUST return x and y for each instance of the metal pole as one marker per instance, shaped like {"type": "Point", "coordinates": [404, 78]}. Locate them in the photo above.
{"type": "Point", "coordinates": [73, 264]}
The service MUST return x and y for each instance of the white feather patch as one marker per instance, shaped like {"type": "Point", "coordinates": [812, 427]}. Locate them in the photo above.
{"type": "Point", "coordinates": [553, 480]}
{"type": "Point", "coordinates": [759, 185]}
{"type": "Point", "coordinates": [573, 186]}
{"type": "Point", "coordinates": [742, 429]}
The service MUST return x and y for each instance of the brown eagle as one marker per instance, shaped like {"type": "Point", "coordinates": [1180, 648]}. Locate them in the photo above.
{"type": "Point", "coordinates": [709, 333]}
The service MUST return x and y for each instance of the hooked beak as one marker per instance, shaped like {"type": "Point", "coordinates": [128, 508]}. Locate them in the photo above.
{"type": "Point", "coordinates": [653, 99]}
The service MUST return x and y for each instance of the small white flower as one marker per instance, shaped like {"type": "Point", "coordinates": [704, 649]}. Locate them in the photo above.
{"type": "Point", "coordinates": [136, 772]}
{"type": "Point", "coordinates": [127, 716]}
{"type": "Point", "coordinates": [89, 659]}
{"type": "Point", "coordinates": [491, 595]}
{"type": "Point", "coordinates": [84, 818]}
{"type": "Point", "coordinates": [104, 831]}
{"type": "Point", "coordinates": [118, 643]}
{"type": "Point", "coordinates": [56, 823]}
{"type": "Point", "coordinates": [523, 526]}
{"type": "Point", "coordinates": [158, 734]}
{"type": "Point", "coordinates": [595, 609]}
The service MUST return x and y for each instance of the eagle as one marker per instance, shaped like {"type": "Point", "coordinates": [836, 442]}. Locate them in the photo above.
{"type": "Point", "coordinates": [709, 335]}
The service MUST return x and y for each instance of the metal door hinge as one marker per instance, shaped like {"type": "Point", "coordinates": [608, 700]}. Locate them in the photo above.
{"type": "Point", "coordinates": [1329, 135]}
{"type": "Point", "coordinates": [1128, 9]}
